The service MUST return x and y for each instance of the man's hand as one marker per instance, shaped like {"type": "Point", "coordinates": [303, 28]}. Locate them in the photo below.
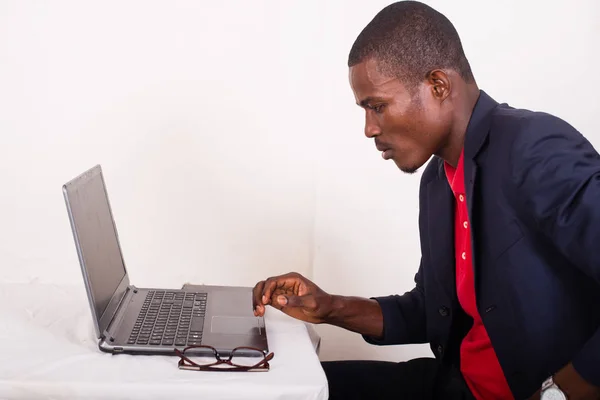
{"type": "Point", "coordinates": [573, 385]}
{"type": "Point", "coordinates": [294, 295]}
{"type": "Point", "coordinates": [300, 298]}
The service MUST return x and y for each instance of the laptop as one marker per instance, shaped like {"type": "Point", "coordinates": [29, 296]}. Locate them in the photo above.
{"type": "Point", "coordinates": [133, 320]}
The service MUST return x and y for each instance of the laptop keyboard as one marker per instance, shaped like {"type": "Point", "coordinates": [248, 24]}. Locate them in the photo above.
{"type": "Point", "coordinates": [170, 318]}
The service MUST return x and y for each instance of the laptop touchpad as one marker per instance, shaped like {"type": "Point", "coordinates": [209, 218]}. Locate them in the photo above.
{"type": "Point", "coordinates": [236, 325]}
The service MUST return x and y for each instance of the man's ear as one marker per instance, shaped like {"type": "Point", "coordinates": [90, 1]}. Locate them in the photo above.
{"type": "Point", "coordinates": [440, 84]}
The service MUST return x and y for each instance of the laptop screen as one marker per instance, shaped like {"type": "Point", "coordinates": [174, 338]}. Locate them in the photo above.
{"type": "Point", "coordinates": [92, 221]}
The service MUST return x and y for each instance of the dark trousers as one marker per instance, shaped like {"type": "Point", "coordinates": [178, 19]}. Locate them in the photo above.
{"type": "Point", "coordinates": [422, 379]}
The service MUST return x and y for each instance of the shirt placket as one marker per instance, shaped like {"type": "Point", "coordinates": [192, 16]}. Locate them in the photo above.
{"type": "Point", "coordinates": [466, 302]}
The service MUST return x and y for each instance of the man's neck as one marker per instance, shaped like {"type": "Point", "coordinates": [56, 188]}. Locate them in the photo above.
{"type": "Point", "coordinates": [465, 100]}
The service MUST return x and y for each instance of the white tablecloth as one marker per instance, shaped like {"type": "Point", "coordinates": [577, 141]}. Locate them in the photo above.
{"type": "Point", "coordinates": [48, 350]}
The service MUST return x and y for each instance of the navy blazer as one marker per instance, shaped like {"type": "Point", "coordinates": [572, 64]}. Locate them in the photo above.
{"type": "Point", "coordinates": [533, 196]}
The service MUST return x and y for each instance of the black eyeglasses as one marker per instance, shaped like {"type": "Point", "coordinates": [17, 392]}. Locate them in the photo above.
{"type": "Point", "coordinates": [207, 358]}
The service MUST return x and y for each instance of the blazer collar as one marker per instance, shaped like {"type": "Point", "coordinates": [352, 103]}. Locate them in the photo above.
{"type": "Point", "coordinates": [479, 125]}
{"type": "Point", "coordinates": [478, 129]}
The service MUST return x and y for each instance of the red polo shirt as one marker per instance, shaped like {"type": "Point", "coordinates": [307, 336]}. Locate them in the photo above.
{"type": "Point", "coordinates": [479, 364]}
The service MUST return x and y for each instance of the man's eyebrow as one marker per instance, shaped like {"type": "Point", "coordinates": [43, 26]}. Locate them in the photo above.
{"type": "Point", "coordinates": [365, 102]}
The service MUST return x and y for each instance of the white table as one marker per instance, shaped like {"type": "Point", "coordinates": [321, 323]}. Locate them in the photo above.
{"type": "Point", "coordinates": [48, 350]}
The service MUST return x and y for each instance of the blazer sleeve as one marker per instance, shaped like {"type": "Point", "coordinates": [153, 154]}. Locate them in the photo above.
{"type": "Point", "coordinates": [557, 176]}
{"type": "Point", "coordinates": [403, 317]}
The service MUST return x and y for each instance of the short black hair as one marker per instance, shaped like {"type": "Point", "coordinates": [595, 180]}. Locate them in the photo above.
{"type": "Point", "coordinates": [409, 39]}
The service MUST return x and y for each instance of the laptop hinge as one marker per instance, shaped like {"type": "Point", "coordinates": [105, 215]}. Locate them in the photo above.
{"type": "Point", "coordinates": [112, 328]}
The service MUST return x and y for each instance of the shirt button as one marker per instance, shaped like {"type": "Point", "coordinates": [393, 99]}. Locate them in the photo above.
{"type": "Point", "coordinates": [461, 197]}
{"type": "Point", "coordinates": [444, 311]}
{"type": "Point", "coordinates": [464, 255]}
{"type": "Point", "coordinates": [465, 224]}
{"type": "Point", "coordinates": [440, 349]}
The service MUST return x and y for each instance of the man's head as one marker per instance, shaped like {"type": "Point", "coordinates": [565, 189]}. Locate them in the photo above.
{"type": "Point", "coordinates": [408, 70]}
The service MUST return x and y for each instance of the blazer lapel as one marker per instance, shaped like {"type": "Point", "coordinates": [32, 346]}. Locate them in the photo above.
{"type": "Point", "coordinates": [475, 138]}
{"type": "Point", "coordinates": [440, 209]}
{"type": "Point", "coordinates": [470, 178]}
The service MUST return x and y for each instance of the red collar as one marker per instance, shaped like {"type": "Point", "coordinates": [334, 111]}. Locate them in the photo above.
{"type": "Point", "coordinates": [456, 176]}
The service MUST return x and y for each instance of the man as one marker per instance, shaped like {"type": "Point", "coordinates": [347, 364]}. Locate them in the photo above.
{"type": "Point", "coordinates": [508, 290]}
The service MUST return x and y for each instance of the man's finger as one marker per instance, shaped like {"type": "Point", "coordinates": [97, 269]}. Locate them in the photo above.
{"type": "Point", "coordinates": [270, 286]}
{"type": "Point", "coordinates": [257, 306]}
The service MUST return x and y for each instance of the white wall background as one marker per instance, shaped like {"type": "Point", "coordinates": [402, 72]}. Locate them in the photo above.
{"type": "Point", "coordinates": [229, 137]}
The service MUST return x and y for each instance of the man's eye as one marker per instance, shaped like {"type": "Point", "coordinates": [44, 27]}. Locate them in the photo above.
{"type": "Point", "coordinates": [378, 108]}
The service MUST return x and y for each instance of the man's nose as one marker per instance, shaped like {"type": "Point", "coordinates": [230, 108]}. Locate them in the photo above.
{"type": "Point", "coordinates": [372, 129]}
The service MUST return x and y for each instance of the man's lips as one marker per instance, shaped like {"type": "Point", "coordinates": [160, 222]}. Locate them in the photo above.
{"type": "Point", "coordinates": [382, 147]}
{"type": "Point", "coordinates": [386, 151]}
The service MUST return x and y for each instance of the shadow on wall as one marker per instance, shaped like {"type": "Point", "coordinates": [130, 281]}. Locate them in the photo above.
{"type": "Point", "coordinates": [340, 344]}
